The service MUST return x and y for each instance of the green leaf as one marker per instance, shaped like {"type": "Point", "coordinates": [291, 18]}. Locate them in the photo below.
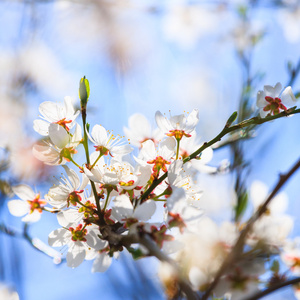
{"type": "Point", "coordinates": [231, 119]}
{"type": "Point", "coordinates": [241, 205]}
{"type": "Point", "coordinates": [242, 10]}
{"type": "Point", "coordinates": [275, 266]}
{"type": "Point", "coordinates": [136, 253]}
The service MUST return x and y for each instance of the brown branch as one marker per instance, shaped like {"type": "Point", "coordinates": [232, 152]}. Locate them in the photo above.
{"type": "Point", "coordinates": [273, 288]}
{"type": "Point", "coordinates": [238, 247]}
{"type": "Point", "coordinates": [185, 287]}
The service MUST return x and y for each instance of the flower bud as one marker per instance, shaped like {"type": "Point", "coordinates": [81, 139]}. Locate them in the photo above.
{"type": "Point", "coordinates": [84, 91]}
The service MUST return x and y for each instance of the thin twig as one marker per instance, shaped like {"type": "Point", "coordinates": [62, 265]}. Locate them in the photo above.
{"type": "Point", "coordinates": [273, 288]}
{"type": "Point", "coordinates": [227, 129]}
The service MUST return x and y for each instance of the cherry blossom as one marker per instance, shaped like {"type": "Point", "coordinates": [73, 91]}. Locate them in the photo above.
{"type": "Point", "coordinates": [179, 125]}
{"type": "Point", "coordinates": [51, 112]}
{"type": "Point", "coordinates": [272, 101]}
{"type": "Point", "coordinates": [157, 159]}
{"type": "Point", "coordinates": [140, 131]}
{"type": "Point", "coordinates": [273, 228]}
{"type": "Point", "coordinates": [108, 143]}
{"type": "Point", "coordinates": [68, 192]}
{"type": "Point", "coordinates": [291, 255]}
{"type": "Point", "coordinates": [61, 147]}
{"type": "Point", "coordinates": [30, 204]}
{"type": "Point", "coordinates": [78, 238]}
{"type": "Point", "coordinates": [180, 213]}
{"type": "Point", "coordinates": [124, 211]}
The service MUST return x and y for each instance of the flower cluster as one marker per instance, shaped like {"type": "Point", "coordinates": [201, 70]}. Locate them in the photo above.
{"type": "Point", "coordinates": [116, 200]}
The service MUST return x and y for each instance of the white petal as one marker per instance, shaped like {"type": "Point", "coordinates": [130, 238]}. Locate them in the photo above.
{"type": "Point", "coordinates": [62, 221]}
{"type": "Point", "coordinates": [41, 127]}
{"type": "Point", "coordinates": [170, 247]}
{"type": "Point", "coordinates": [197, 277]}
{"type": "Point", "coordinates": [45, 153]}
{"type": "Point", "coordinates": [162, 122]}
{"type": "Point", "coordinates": [198, 165]}
{"type": "Point", "coordinates": [258, 193]}
{"type": "Point", "coordinates": [167, 148]}
{"type": "Point", "coordinates": [72, 215]}
{"type": "Point", "coordinates": [73, 177]}
{"type": "Point", "coordinates": [279, 203]}
{"type": "Point", "coordinates": [288, 97]}
{"type": "Point", "coordinates": [121, 150]}
{"type": "Point", "coordinates": [145, 211]}
{"type": "Point", "coordinates": [206, 155]}
{"type": "Point", "coordinates": [174, 171]}
{"type": "Point", "coordinates": [260, 100]}
{"type": "Point", "coordinates": [99, 135]}
{"type": "Point", "coordinates": [85, 181]}
{"type": "Point", "coordinates": [77, 136]}
{"type": "Point", "coordinates": [178, 122]}
{"type": "Point", "coordinates": [122, 208]}
{"type": "Point", "coordinates": [192, 120]}
{"type": "Point", "coordinates": [139, 127]}
{"type": "Point", "coordinates": [101, 263]}
{"type": "Point", "coordinates": [50, 111]}
{"type": "Point", "coordinates": [75, 255]}
{"type": "Point", "coordinates": [94, 174]}
{"type": "Point", "coordinates": [277, 88]}
{"type": "Point", "coordinates": [90, 254]}
{"type": "Point", "coordinates": [18, 208]}
{"type": "Point", "coordinates": [177, 195]}
{"type": "Point", "coordinates": [59, 237]}
{"type": "Point", "coordinates": [69, 108]}
{"type": "Point", "coordinates": [273, 91]}
{"type": "Point", "coordinates": [24, 192]}
{"type": "Point", "coordinates": [31, 218]}
{"type": "Point", "coordinates": [148, 150]}
{"type": "Point", "coordinates": [58, 135]}
{"type": "Point", "coordinates": [94, 241]}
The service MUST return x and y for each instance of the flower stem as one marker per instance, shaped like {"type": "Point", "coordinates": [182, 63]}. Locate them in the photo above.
{"type": "Point", "coordinates": [177, 150]}
{"type": "Point", "coordinates": [93, 165]}
{"type": "Point", "coordinates": [75, 163]}
{"type": "Point", "coordinates": [106, 200]}
{"type": "Point", "coordinates": [86, 148]}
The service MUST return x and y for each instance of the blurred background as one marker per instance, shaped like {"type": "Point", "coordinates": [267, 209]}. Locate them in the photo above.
{"type": "Point", "coordinates": [140, 57]}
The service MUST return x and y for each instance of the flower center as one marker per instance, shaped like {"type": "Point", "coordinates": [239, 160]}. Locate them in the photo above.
{"type": "Point", "coordinates": [63, 122]}
{"type": "Point", "coordinates": [159, 164]}
{"type": "Point", "coordinates": [103, 150]}
{"type": "Point", "coordinates": [36, 204]}
{"type": "Point", "coordinates": [178, 134]}
{"type": "Point", "coordinates": [74, 198]}
{"type": "Point", "coordinates": [176, 221]}
{"type": "Point", "coordinates": [274, 105]}
{"type": "Point", "coordinates": [78, 234]}
{"type": "Point", "coordinates": [129, 183]}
